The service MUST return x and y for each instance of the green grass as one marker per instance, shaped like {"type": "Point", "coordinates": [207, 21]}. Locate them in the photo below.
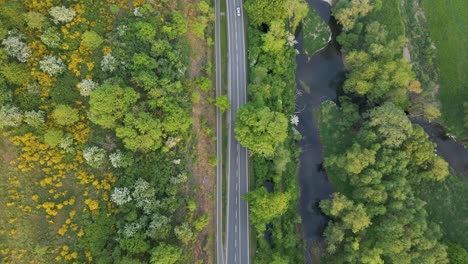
{"type": "Point", "coordinates": [448, 25]}
{"type": "Point", "coordinates": [316, 32]}
{"type": "Point", "coordinates": [446, 205]}
{"type": "Point", "coordinates": [390, 16]}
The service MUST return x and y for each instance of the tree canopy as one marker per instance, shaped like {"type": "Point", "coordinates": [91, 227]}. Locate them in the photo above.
{"type": "Point", "coordinates": [260, 129]}
{"type": "Point", "coordinates": [109, 103]}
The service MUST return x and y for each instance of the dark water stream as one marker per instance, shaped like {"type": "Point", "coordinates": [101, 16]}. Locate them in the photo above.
{"type": "Point", "coordinates": [317, 79]}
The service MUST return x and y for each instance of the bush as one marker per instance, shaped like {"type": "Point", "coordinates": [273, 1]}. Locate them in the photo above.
{"type": "Point", "coordinates": [14, 73]}
{"type": "Point", "coordinates": [65, 115]}
{"type": "Point", "coordinates": [53, 137]}
{"type": "Point", "coordinates": [91, 40]}
{"type": "Point", "coordinates": [51, 38]}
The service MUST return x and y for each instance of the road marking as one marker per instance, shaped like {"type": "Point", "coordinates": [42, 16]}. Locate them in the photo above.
{"type": "Point", "coordinates": [235, 243]}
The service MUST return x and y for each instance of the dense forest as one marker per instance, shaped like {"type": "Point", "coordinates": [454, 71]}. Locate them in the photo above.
{"type": "Point", "coordinates": [96, 121]}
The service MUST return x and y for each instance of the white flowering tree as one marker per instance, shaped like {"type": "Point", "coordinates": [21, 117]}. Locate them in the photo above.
{"type": "Point", "coordinates": [15, 47]}
{"type": "Point", "coordinates": [118, 159]}
{"type": "Point", "coordinates": [121, 196]}
{"type": "Point", "coordinates": [34, 118]}
{"type": "Point", "coordinates": [51, 65]}
{"type": "Point", "coordinates": [159, 226]}
{"type": "Point", "coordinates": [108, 63]}
{"type": "Point", "coordinates": [86, 86]}
{"type": "Point", "coordinates": [10, 116]}
{"type": "Point", "coordinates": [94, 156]}
{"type": "Point", "coordinates": [66, 143]}
{"type": "Point", "coordinates": [143, 194]}
{"type": "Point", "coordinates": [130, 229]}
{"type": "Point", "coordinates": [61, 14]}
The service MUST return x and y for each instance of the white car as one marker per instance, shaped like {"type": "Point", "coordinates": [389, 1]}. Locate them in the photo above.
{"type": "Point", "coordinates": [238, 11]}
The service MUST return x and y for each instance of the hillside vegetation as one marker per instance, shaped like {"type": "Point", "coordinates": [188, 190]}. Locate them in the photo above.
{"type": "Point", "coordinates": [96, 100]}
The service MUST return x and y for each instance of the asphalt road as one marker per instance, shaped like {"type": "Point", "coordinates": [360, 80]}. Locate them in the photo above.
{"type": "Point", "coordinates": [237, 228]}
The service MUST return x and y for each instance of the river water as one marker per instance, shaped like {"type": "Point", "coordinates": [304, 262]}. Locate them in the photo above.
{"type": "Point", "coordinates": [318, 79]}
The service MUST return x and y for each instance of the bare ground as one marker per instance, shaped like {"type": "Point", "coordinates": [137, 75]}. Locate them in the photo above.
{"type": "Point", "coordinates": [204, 176]}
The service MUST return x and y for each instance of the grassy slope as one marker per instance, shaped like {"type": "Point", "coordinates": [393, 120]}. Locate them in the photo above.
{"type": "Point", "coordinates": [448, 25]}
{"type": "Point", "coordinates": [390, 16]}
{"type": "Point", "coordinates": [446, 205]}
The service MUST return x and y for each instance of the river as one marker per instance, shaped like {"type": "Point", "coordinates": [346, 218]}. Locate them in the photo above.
{"type": "Point", "coordinates": [317, 79]}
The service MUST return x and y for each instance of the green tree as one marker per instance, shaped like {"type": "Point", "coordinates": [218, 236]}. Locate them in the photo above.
{"type": "Point", "coordinates": [36, 20]}
{"type": "Point", "coordinates": [65, 115]}
{"type": "Point", "coordinates": [14, 73]}
{"type": "Point", "coordinates": [260, 129]}
{"type": "Point", "coordinates": [53, 137]}
{"type": "Point", "coordinates": [347, 12]}
{"type": "Point", "coordinates": [265, 206]}
{"type": "Point", "coordinates": [109, 103]}
{"type": "Point", "coordinates": [457, 254]}
{"type": "Point", "coordinates": [140, 132]}
{"type": "Point", "coordinates": [165, 254]}
{"type": "Point", "coordinates": [391, 124]}
{"type": "Point", "coordinates": [223, 103]}
{"type": "Point", "coordinates": [274, 40]}
{"type": "Point", "coordinates": [91, 40]}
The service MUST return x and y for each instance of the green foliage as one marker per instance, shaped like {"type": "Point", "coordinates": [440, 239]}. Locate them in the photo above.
{"type": "Point", "coordinates": [14, 73]}
{"type": "Point", "coordinates": [135, 245]}
{"type": "Point", "coordinates": [389, 15]}
{"type": "Point", "coordinates": [144, 31]}
{"type": "Point", "coordinates": [316, 32]}
{"type": "Point", "coordinates": [223, 103]}
{"type": "Point", "coordinates": [201, 222]}
{"type": "Point", "coordinates": [65, 115]}
{"type": "Point", "coordinates": [165, 254]}
{"type": "Point", "coordinates": [451, 59]}
{"type": "Point", "coordinates": [260, 129]}
{"type": "Point", "coordinates": [99, 232]}
{"type": "Point", "coordinates": [109, 103]}
{"type": "Point", "coordinates": [140, 132]}
{"type": "Point", "coordinates": [265, 12]}
{"type": "Point", "coordinates": [53, 137]}
{"type": "Point", "coordinates": [36, 20]}
{"type": "Point", "coordinates": [347, 12]}
{"type": "Point", "coordinates": [275, 39]}
{"type": "Point", "coordinates": [264, 206]}
{"type": "Point", "coordinates": [457, 254]}
{"type": "Point", "coordinates": [391, 124]}
{"type": "Point", "coordinates": [91, 40]}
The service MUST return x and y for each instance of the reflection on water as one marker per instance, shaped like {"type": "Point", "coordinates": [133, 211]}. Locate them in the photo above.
{"type": "Point", "coordinates": [317, 80]}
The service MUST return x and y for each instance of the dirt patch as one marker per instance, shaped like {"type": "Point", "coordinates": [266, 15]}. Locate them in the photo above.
{"type": "Point", "coordinates": [204, 146]}
{"type": "Point", "coordinates": [7, 150]}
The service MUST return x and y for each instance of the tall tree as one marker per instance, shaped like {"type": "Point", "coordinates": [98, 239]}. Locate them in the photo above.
{"type": "Point", "coordinates": [260, 129]}
{"type": "Point", "coordinates": [109, 103]}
